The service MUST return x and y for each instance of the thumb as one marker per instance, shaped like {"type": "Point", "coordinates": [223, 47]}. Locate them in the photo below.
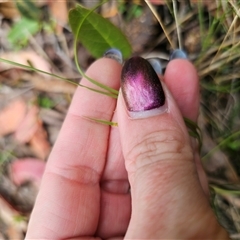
{"type": "Point", "coordinates": [167, 198]}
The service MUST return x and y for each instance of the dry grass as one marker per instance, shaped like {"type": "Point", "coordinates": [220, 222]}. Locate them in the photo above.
{"type": "Point", "coordinates": [209, 32]}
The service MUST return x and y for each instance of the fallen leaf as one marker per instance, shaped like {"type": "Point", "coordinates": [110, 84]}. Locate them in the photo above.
{"type": "Point", "coordinates": [39, 142]}
{"type": "Point", "coordinates": [13, 229]}
{"type": "Point", "coordinates": [27, 169]}
{"type": "Point", "coordinates": [22, 197]}
{"type": "Point", "coordinates": [25, 57]}
{"type": "Point", "coordinates": [8, 9]}
{"type": "Point", "coordinates": [42, 83]}
{"type": "Point", "coordinates": [59, 12]}
{"type": "Point", "coordinates": [11, 116]}
{"type": "Point", "coordinates": [28, 126]}
{"type": "Point", "coordinates": [110, 9]}
{"type": "Point", "coordinates": [52, 117]}
{"type": "Point", "coordinates": [31, 131]}
{"type": "Point", "coordinates": [157, 2]}
{"type": "Point", "coordinates": [53, 133]}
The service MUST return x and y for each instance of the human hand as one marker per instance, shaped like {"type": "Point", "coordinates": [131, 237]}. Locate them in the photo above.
{"type": "Point", "coordinates": [85, 189]}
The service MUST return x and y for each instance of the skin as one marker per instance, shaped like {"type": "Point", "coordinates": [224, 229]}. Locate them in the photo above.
{"type": "Point", "coordinates": [85, 189]}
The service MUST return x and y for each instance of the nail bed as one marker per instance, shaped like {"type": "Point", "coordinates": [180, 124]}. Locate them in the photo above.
{"type": "Point", "coordinates": [141, 87]}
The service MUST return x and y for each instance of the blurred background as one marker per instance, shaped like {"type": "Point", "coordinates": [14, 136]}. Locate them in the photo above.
{"type": "Point", "coordinates": [33, 105]}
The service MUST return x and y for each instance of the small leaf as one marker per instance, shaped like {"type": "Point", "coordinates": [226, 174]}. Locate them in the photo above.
{"type": "Point", "coordinates": [19, 34]}
{"type": "Point", "coordinates": [96, 33]}
{"type": "Point", "coordinates": [28, 9]}
{"type": "Point", "coordinates": [105, 122]}
{"type": "Point", "coordinates": [45, 102]}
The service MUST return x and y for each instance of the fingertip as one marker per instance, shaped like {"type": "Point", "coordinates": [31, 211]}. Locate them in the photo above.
{"type": "Point", "coordinates": [182, 80]}
{"type": "Point", "coordinates": [104, 69]}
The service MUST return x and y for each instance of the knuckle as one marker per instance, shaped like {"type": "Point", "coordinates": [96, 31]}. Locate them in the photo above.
{"type": "Point", "coordinates": [160, 146]}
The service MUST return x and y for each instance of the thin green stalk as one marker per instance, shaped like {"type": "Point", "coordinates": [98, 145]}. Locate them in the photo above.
{"type": "Point", "coordinates": [105, 122]}
{"type": "Point", "coordinates": [200, 19]}
{"type": "Point", "coordinates": [56, 76]}
{"type": "Point", "coordinates": [194, 131]}
{"type": "Point", "coordinates": [177, 24]}
{"type": "Point", "coordinates": [222, 191]}
{"type": "Point", "coordinates": [158, 17]}
{"type": "Point", "coordinates": [111, 90]}
{"type": "Point", "coordinates": [222, 143]}
{"type": "Point", "coordinates": [225, 37]}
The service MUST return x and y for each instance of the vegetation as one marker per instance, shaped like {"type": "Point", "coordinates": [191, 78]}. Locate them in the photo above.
{"type": "Point", "coordinates": [207, 30]}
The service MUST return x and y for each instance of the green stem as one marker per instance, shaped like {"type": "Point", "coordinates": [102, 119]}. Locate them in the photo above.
{"type": "Point", "coordinates": [111, 90]}
{"type": "Point", "coordinates": [222, 191]}
{"type": "Point", "coordinates": [222, 143]}
{"type": "Point", "coordinates": [195, 131]}
{"type": "Point", "coordinates": [56, 76]}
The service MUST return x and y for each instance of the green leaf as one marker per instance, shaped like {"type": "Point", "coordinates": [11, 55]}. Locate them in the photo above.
{"type": "Point", "coordinates": [96, 33]}
{"type": "Point", "coordinates": [28, 9]}
{"type": "Point", "coordinates": [45, 102]}
{"type": "Point", "coordinates": [20, 32]}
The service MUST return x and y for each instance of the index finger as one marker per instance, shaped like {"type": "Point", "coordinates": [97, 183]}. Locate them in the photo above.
{"type": "Point", "coordinates": [68, 202]}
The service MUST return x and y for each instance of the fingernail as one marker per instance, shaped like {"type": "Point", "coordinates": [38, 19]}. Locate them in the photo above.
{"type": "Point", "coordinates": [141, 88]}
{"type": "Point", "coordinates": [178, 54]}
{"type": "Point", "coordinates": [156, 64]}
{"type": "Point", "coordinates": [115, 54]}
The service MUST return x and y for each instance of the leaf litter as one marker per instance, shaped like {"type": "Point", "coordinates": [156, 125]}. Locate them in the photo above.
{"type": "Point", "coordinates": [33, 105]}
